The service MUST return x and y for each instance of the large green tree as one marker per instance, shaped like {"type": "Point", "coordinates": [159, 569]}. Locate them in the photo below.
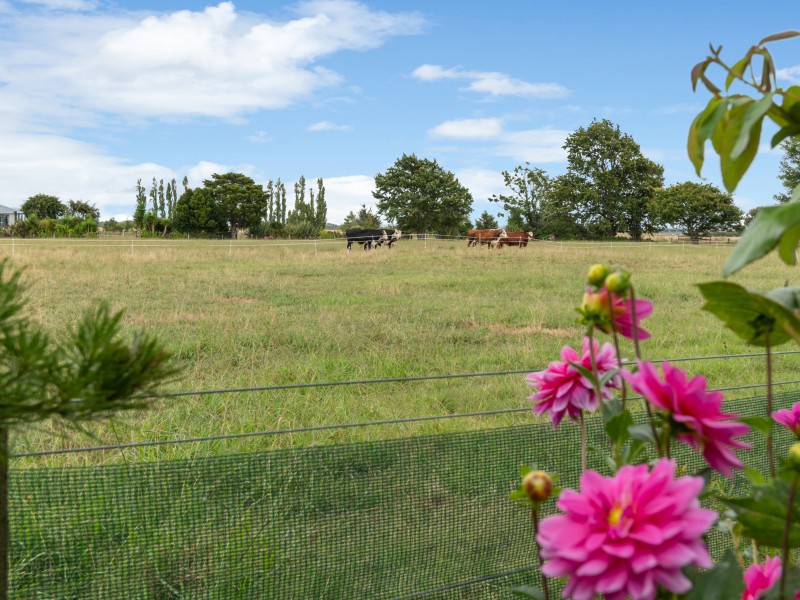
{"type": "Point", "coordinates": [419, 195]}
{"type": "Point", "coordinates": [486, 221]}
{"type": "Point", "coordinates": [609, 184]}
{"type": "Point", "coordinates": [43, 206]}
{"type": "Point", "coordinates": [697, 209]}
{"type": "Point", "coordinates": [83, 210]}
{"type": "Point", "coordinates": [789, 168]}
{"type": "Point", "coordinates": [196, 212]}
{"type": "Point", "coordinates": [241, 201]}
{"type": "Point", "coordinates": [526, 203]}
{"type": "Point", "coordinates": [363, 219]}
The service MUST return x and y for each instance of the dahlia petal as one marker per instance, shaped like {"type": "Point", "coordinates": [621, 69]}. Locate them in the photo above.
{"type": "Point", "coordinates": [675, 581]}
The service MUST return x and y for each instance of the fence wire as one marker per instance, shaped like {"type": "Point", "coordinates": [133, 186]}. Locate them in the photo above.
{"type": "Point", "coordinates": [420, 517]}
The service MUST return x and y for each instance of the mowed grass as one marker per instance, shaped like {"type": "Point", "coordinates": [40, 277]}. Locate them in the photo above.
{"type": "Point", "coordinates": [247, 314]}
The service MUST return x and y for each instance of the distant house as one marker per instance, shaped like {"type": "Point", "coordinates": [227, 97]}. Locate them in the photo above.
{"type": "Point", "coordinates": [9, 216]}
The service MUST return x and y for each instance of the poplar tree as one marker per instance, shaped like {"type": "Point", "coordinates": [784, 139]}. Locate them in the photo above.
{"type": "Point", "coordinates": [141, 205]}
{"type": "Point", "coordinates": [185, 183]}
{"type": "Point", "coordinates": [270, 192]}
{"type": "Point", "coordinates": [161, 208]}
{"type": "Point", "coordinates": [321, 209]}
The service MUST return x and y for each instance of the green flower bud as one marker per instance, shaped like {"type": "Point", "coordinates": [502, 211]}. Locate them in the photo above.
{"type": "Point", "coordinates": [538, 485]}
{"type": "Point", "coordinates": [794, 456]}
{"type": "Point", "coordinates": [618, 282]}
{"type": "Point", "coordinates": [597, 275]}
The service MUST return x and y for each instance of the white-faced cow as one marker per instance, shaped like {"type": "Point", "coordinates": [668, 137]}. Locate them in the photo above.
{"type": "Point", "coordinates": [519, 239]}
{"type": "Point", "coordinates": [365, 237]}
{"type": "Point", "coordinates": [392, 236]}
{"type": "Point", "coordinates": [478, 237]}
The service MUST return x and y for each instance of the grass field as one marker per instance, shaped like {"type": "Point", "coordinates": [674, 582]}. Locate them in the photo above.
{"type": "Point", "coordinates": [317, 519]}
{"type": "Point", "coordinates": [259, 313]}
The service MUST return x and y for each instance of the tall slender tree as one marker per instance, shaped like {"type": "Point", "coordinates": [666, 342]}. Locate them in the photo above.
{"type": "Point", "coordinates": [270, 191]}
{"type": "Point", "coordinates": [321, 210]}
{"type": "Point", "coordinates": [161, 202]}
{"type": "Point", "coordinates": [185, 183]}
{"type": "Point", "coordinates": [141, 205]}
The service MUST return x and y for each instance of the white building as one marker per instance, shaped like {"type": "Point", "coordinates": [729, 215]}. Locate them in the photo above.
{"type": "Point", "coordinates": [9, 216]}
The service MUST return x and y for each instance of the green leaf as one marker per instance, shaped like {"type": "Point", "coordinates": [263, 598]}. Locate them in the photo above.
{"type": "Point", "coordinates": [617, 428]}
{"type": "Point", "coordinates": [642, 432]}
{"type": "Point", "coordinates": [779, 36]}
{"type": "Point", "coordinates": [763, 425]}
{"type": "Point", "coordinates": [753, 114]}
{"type": "Point", "coordinates": [738, 69]}
{"type": "Point", "coordinates": [701, 129]}
{"type": "Point", "coordinates": [735, 123]}
{"type": "Point", "coordinates": [723, 582]}
{"type": "Point", "coordinates": [527, 591]}
{"type": "Point", "coordinates": [764, 234]}
{"type": "Point", "coordinates": [524, 470]}
{"type": "Point", "coordinates": [754, 477]}
{"type": "Point", "coordinates": [763, 515]}
{"type": "Point", "coordinates": [787, 247]}
{"type": "Point", "coordinates": [751, 315]}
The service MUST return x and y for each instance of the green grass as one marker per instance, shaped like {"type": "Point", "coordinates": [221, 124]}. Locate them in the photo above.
{"type": "Point", "coordinates": [258, 313]}
{"type": "Point", "coordinates": [316, 518]}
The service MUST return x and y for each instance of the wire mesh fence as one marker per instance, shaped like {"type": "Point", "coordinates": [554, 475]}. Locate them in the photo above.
{"type": "Point", "coordinates": [418, 517]}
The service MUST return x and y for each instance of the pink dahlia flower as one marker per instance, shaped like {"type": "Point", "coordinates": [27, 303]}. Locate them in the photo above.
{"type": "Point", "coordinates": [789, 418]}
{"type": "Point", "coordinates": [760, 577]}
{"type": "Point", "coordinates": [696, 414]}
{"type": "Point", "coordinates": [624, 536]}
{"type": "Point", "coordinates": [623, 315]}
{"type": "Point", "coordinates": [563, 390]}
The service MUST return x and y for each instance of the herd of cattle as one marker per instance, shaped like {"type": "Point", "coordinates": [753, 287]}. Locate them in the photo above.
{"type": "Point", "coordinates": [374, 238]}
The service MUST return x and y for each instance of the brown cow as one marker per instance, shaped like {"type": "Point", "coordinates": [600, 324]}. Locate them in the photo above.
{"type": "Point", "coordinates": [479, 237]}
{"type": "Point", "coordinates": [519, 239]}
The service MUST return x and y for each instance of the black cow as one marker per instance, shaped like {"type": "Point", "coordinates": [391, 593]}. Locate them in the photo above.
{"type": "Point", "coordinates": [365, 237]}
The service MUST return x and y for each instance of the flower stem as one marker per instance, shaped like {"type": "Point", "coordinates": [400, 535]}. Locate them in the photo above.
{"type": "Point", "coordinates": [770, 448]}
{"type": "Point", "coordinates": [535, 524]}
{"type": "Point", "coordinates": [785, 557]}
{"type": "Point", "coordinates": [635, 324]}
{"type": "Point", "coordinates": [583, 442]}
{"type": "Point", "coordinates": [624, 391]}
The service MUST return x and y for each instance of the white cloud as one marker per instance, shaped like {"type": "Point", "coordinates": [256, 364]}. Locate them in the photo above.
{"type": "Point", "coordinates": [492, 83]}
{"type": "Point", "coordinates": [64, 4]}
{"type": "Point", "coordinates": [258, 137]}
{"type": "Point", "coordinates": [51, 164]}
{"type": "Point", "coordinates": [790, 74]}
{"type": "Point", "coordinates": [469, 129]}
{"type": "Point", "coordinates": [215, 62]}
{"type": "Point", "coordinates": [345, 194]}
{"type": "Point", "coordinates": [328, 126]}
{"type": "Point", "coordinates": [532, 145]}
{"type": "Point", "coordinates": [482, 183]}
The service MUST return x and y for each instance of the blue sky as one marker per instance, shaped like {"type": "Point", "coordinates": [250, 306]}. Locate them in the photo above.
{"type": "Point", "coordinates": [95, 94]}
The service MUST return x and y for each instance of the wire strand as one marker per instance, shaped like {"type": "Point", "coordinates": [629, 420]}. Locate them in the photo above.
{"type": "Point", "coordinates": [231, 436]}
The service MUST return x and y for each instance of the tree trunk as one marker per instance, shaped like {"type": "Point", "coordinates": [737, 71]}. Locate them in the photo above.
{"type": "Point", "coordinates": [5, 534]}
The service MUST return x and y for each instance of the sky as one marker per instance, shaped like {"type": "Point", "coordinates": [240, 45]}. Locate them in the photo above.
{"type": "Point", "coordinates": [96, 94]}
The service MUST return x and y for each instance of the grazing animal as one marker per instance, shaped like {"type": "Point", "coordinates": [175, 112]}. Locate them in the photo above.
{"type": "Point", "coordinates": [478, 237]}
{"type": "Point", "coordinates": [392, 236]}
{"type": "Point", "coordinates": [365, 237]}
{"type": "Point", "coordinates": [519, 239]}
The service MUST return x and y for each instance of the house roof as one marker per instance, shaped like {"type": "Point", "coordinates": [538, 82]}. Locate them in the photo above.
{"type": "Point", "coordinates": [7, 210]}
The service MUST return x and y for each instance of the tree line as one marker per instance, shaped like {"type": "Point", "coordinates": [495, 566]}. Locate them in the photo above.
{"type": "Point", "coordinates": [224, 206]}
{"type": "Point", "coordinates": [609, 188]}
{"type": "Point", "coordinates": [229, 203]}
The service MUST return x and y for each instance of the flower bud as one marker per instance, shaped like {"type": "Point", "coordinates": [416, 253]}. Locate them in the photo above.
{"type": "Point", "coordinates": [618, 281]}
{"type": "Point", "coordinates": [794, 456]}
{"type": "Point", "coordinates": [597, 275]}
{"type": "Point", "coordinates": [592, 304]}
{"type": "Point", "coordinates": [538, 485]}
